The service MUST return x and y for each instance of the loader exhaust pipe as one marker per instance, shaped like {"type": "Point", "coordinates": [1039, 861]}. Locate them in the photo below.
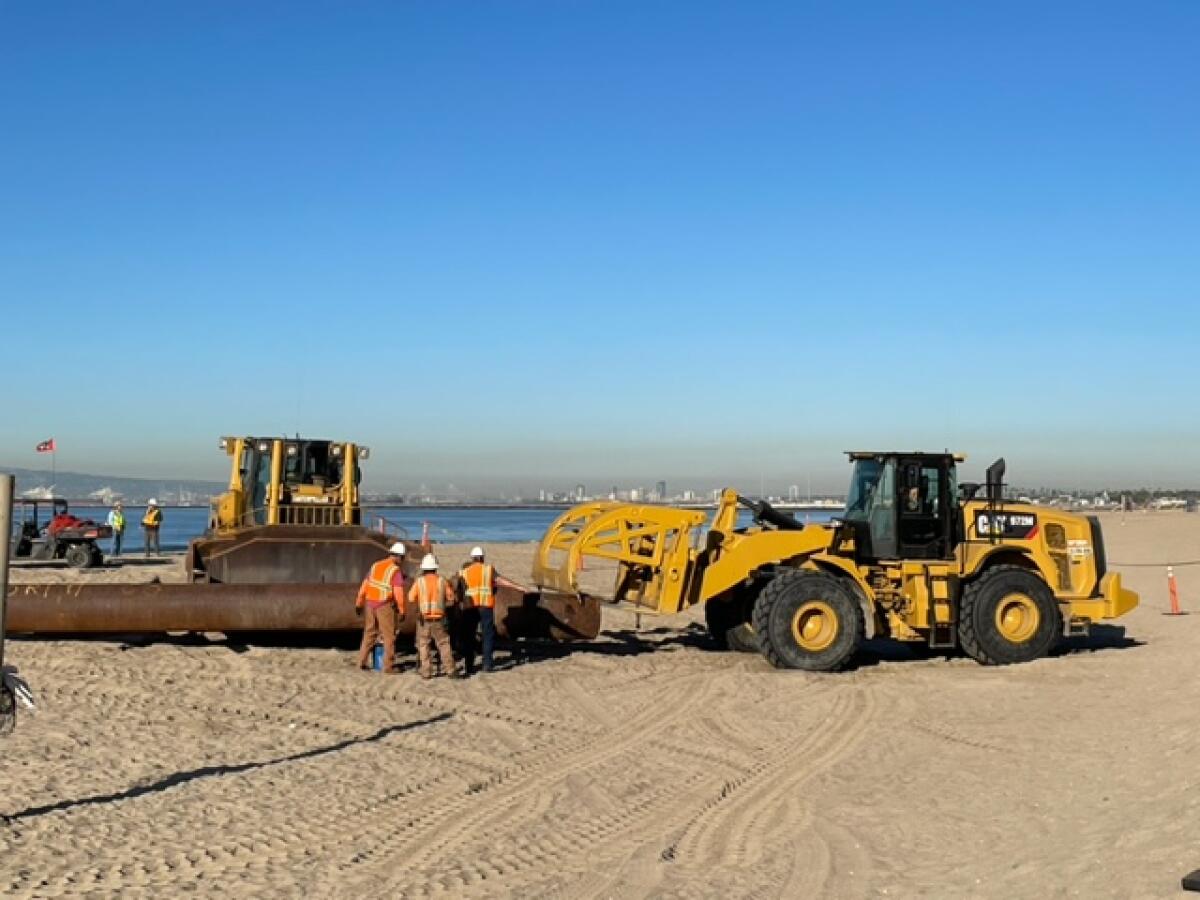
{"type": "Point", "coordinates": [995, 481]}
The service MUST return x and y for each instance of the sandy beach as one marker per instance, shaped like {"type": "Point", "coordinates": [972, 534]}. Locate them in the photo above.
{"type": "Point", "coordinates": [639, 765]}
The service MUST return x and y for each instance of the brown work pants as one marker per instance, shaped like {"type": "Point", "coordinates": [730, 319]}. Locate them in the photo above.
{"type": "Point", "coordinates": [433, 630]}
{"type": "Point", "coordinates": [379, 624]}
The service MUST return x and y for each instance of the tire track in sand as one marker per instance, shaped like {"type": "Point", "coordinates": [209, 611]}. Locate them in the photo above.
{"type": "Point", "coordinates": [537, 775]}
{"type": "Point", "coordinates": [733, 826]}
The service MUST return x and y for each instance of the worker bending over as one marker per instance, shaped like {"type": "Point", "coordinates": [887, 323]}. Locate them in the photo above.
{"type": "Point", "coordinates": [432, 594]}
{"type": "Point", "coordinates": [382, 597]}
{"type": "Point", "coordinates": [480, 580]}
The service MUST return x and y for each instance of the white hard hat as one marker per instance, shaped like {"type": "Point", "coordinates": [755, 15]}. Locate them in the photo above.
{"type": "Point", "coordinates": [397, 549]}
{"type": "Point", "coordinates": [152, 502]}
{"type": "Point", "coordinates": [477, 553]}
{"type": "Point", "coordinates": [429, 563]}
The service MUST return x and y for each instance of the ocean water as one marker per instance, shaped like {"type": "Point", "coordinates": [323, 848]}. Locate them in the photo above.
{"type": "Point", "coordinates": [466, 525]}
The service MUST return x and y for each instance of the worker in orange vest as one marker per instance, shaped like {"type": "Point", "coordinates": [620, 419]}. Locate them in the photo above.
{"type": "Point", "coordinates": [381, 597]}
{"type": "Point", "coordinates": [479, 581]}
{"type": "Point", "coordinates": [432, 594]}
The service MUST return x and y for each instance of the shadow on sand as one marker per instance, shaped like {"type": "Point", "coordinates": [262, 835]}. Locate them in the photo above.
{"type": "Point", "coordinates": [177, 778]}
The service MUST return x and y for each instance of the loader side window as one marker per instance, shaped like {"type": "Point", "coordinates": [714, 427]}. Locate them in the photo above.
{"type": "Point", "coordinates": [881, 513]}
{"type": "Point", "coordinates": [862, 486]}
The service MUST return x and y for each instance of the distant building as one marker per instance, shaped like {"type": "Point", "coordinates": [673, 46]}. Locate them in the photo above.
{"type": "Point", "coordinates": [794, 492]}
{"type": "Point", "coordinates": [660, 491]}
{"type": "Point", "coordinates": [580, 493]}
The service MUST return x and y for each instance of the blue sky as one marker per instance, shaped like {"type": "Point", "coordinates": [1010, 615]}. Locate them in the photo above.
{"type": "Point", "coordinates": [514, 243]}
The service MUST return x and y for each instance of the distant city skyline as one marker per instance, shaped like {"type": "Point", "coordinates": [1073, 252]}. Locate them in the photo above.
{"type": "Point", "coordinates": [102, 486]}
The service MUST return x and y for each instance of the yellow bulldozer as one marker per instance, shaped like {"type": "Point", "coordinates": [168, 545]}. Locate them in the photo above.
{"type": "Point", "coordinates": [285, 550]}
{"type": "Point", "coordinates": [915, 556]}
{"type": "Point", "coordinates": [291, 514]}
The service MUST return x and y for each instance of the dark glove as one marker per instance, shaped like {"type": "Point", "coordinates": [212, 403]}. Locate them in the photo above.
{"type": "Point", "coordinates": [358, 611]}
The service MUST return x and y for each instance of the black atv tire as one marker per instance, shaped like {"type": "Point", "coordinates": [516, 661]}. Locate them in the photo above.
{"type": "Point", "coordinates": [728, 627]}
{"type": "Point", "coordinates": [982, 608]}
{"type": "Point", "coordinates": [784, 610]}
{"type": "Point", "coordinates": [79, 556]}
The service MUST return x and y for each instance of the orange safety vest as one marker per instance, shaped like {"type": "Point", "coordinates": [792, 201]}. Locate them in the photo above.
{"type": "Point", "coordinates": [377, 586]}
{"type": "Point", "coordinates": [431, 595]}
{"type": "Point", "coordinates": [480, 581]}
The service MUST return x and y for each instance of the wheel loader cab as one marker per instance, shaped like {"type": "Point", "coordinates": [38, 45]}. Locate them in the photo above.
{"type": "Point", "coordinates": [902, 506]}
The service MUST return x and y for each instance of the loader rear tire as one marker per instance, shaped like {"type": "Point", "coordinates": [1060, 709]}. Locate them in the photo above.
{"type": "Point", "coordinates": [1008, 615]}
{"type": "Point", "coordinates": [808, 620]}
{"type": "Point", "coordinates": [728, 626]}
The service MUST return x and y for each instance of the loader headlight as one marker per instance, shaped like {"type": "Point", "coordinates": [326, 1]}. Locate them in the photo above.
{"type": "Point", "coordinates": [337, 450]}
{"type": "Point", "coordinates": [292, 450]}
{"type": "Point", "coordinates": [264, 446]}
{"type": "Point", "coordinates": [224, 443]}
{"type": "Point", "coordinates": [364, 452]}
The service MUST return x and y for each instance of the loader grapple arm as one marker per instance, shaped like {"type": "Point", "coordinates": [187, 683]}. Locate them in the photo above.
{"type": "Point", "coordinates": [652, 546]}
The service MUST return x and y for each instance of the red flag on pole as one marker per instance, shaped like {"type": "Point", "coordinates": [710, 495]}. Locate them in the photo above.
{"type": "Point", "coordinates": [46, 446]}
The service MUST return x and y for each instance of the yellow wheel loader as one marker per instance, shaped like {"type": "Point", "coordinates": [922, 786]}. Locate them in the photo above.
{"type": "Point", "coordinates": [915, 556]}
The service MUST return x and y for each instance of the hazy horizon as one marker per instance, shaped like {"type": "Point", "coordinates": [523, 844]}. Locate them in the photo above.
{"type": "Point", "coordinates": [822, 482]}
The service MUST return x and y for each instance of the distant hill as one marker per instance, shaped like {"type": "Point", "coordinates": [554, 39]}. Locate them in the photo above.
{"type": "Point", "coordinates": [105, 488]}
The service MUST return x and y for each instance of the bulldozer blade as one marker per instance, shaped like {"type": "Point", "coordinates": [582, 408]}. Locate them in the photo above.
{"type": "Point", "coordinates": [148, 608]}
{"type": "Point", "coordinates": [302, 554]}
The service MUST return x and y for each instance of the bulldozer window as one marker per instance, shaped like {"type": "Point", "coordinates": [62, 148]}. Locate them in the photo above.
{"type": "Point", "coordinates": [259, 466]}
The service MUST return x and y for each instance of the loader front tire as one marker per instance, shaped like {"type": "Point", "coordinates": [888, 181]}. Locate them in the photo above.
{"type": "Point", "coordinates": [1008, 615]}
{"type": "Point", "coordinates": [808, 620]}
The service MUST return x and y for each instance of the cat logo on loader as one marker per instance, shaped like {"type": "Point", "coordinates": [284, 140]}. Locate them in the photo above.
{"type": "Point", "coordinates": [914, 557]}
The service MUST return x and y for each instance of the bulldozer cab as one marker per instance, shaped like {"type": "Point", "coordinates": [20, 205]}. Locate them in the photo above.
{"type": "Point", "coordinates": [285, 481]}
{"type": "Point", "coordinates": [903, 506]}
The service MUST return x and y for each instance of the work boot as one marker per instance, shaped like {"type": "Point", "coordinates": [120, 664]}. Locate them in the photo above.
{"type": "Point", "coordinates": [454, 674]}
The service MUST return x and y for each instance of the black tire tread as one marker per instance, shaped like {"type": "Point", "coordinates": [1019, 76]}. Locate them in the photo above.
{"type": "Point", "coordinates": [775, 590]}
{"type": "Point", "coordinates": [968, 636]}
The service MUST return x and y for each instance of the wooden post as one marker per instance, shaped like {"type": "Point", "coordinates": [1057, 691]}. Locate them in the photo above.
{"type": "Point", "coordinates": [6, 496]}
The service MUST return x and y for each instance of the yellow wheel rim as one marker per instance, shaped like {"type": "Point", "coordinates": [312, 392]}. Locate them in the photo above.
{"type": "Point", "coordinates": [814, 626]}
{"type": "Point", "coordinates": [1017, 618]}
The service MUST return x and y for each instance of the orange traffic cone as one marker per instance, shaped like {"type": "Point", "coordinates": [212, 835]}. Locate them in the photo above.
{"type": "Point", "coordinates": [425, 536]}
{"type": "Point", "coordinates": [1173, 589]}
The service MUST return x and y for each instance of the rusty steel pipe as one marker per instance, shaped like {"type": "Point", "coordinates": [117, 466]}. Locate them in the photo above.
{"type": "Point", "coordinates": [130, 608]}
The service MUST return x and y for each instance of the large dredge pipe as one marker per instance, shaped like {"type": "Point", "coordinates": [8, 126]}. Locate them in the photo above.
{"type": "Point", "coordinates": [128, 608]}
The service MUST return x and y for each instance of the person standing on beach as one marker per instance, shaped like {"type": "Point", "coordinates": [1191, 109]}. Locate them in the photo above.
{"type": "Point", "coordinates": [116, 521]}
{"type": "Point", "coordinates": [381, 600]}
{"type": "Point", "coordinates": [432, 594]}
{"type": "Point", "coordinates": [151, 523]}
{"type": "Point", "coordinates": [479, 581]}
